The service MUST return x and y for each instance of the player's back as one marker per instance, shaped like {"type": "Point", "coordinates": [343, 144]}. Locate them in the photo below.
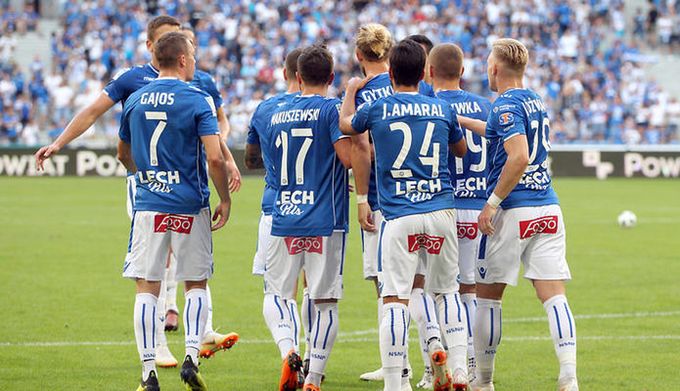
{"type": "Point", "coordinates": [260, 133]}
{"type": "Point", "coordinates": [312, 197]}
{"type": "Point", "coordinates": [127, 81]}
{"type": "Point", "coordinates": [206, 83]}
{"type": "Point", "coordinates": [468, 174]}
{"type": "Point", "coordinates": [163, 121]}
{"type": "Point", "coordinates": [411, 133]}
{"type": "Point", "coordinates": [521, 111]}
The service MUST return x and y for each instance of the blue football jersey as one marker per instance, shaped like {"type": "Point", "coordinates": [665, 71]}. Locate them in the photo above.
{"type": "Point", "coordinates": [468, 174]}
{"type": "Point", "coordinates": [312, 197]}
{"type": "Point", "coordinates": [515, 112]}
{"type": "Point", "coordinates": [127, 81]}
{"type": "Point", "coordinates": [204, 82]}
{"type": "Point", "coordinates": [258, 134]}
{"type": "Point", "coordinates": [163, 121]}
{"type": "Point", "coordinates": [411, 136]}
{"type": "Point", "coordinates": [380, 86]}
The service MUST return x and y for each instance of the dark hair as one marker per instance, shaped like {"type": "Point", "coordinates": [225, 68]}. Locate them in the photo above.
{"type": "Point", "coordinates": [292, 63]}
{"type": "Point", "coordinates": [447, 61]}
{"type": "Point", "coordinates": [315, 65]}
{"type": "Point", "coordinates": [157, 22]}
{"type": "Point", "coordinates": [169, 48]}
{"type": "Point", "coordinates": [407, 63]}
{"type": "Point", "coordinates": [423, 40]}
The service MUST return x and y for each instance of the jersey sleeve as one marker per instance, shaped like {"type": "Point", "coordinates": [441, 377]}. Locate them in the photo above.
{"type": "Point", "coordinates": [255, 122]}
{"type": "Point", "coordinates": [115, 89]}
{"type": "Point", "coordinates": [211, 89]}
{"type": "Point", "coordinates": [509, 120]}
{"type": "Point", "coordinates": [333, 120]}
{"type": "Point", "coordinates": [360, 120]}
{"type": "Point", "coordinates": [425, 89]}
{"type": "Point", "coordinates": [206, 121]}
{"type": "Point", "coordinates": [455, 131]}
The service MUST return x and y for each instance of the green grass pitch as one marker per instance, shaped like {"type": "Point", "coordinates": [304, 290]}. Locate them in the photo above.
{"type": "Point", "coordinates": [66, 313]}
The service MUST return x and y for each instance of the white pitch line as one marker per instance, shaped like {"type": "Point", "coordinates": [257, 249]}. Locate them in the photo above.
{"type": "Point", "coordinates": [347, 337]}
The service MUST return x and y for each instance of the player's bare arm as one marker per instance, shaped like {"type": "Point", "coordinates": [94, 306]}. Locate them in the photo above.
{"type": "Point", "coordinates": [361, 167]}
{"type": "Point", "coordinates": [125, 156]}
{"type": "Point", "coordinates": [458, 149]}
{"type": "Point", "coordinates": [518, 159]}
{"type": "Point", "coordinates": [348, 107]}
{"type": "Point", "coordinates": [253, 157]}
{"type": "Point", "coordinates": [343, 148]}
{"type": "Point", "coordinates": [78, 125]}
{"type": "Point", "coordinates": [217, 168]}
{"type": "Point", "coordinates": [234, 173]}
{"type": "Point", "coordinates": [475, 125]}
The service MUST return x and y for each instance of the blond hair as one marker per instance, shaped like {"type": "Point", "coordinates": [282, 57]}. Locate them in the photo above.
{"type": "Point", "coordinates": [512, 53]}
{"type": "Point", "coordinates": [374, 41]}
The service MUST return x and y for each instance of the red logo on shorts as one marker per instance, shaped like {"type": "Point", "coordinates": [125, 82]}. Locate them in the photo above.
{"type": "Point", "coordinates": [541, 225]}
{"type": "Point", "coordinates": [312, 244]}
{"type": "Point", "coordinates": [433, 244]}
{"type": "Point", "coordinates": [467, 230]}
{"type": "Point", "coordinates": [176, 223]}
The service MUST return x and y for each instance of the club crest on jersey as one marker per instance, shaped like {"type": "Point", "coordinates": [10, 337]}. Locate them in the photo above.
{"type": "Point", "coordinates": [312, 244]}
{"type": "Point", "coordinates": [541, 225]}
{"type": "Point", "coordinates": [432, 244]}
{"type": "Point", "coordinates": [165, 222]}
{"type": "Point", "coordinates": [506, 119]}
{"type": "Point", "coordinates": [467, 230]}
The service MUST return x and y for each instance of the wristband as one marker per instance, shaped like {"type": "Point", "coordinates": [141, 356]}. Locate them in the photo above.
{"type": "Point", "coordinates": [362, 199]}
{"type": "Point", "coordinates": [494, 200]}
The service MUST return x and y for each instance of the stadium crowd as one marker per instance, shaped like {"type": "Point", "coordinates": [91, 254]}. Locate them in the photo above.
{"type": "Point", "coordinates": [586, 57]}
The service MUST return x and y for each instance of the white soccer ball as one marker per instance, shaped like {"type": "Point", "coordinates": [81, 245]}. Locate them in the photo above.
{"type": "Point", "coordinates": [627, 219]}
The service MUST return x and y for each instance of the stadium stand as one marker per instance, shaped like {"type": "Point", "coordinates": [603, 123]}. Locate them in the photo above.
{"type": "Point", "coordinates": [588, 57]}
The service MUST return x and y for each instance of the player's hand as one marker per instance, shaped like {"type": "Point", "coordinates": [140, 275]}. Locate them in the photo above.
{"type": "Point", "coordinates": [234, 177]}
{"type": "Point", "coordinates": [221, 215]}
{"type": "Point", "coordinates": [356, 83]}
{"type": "Point", "coordinates": [366, 218]}
{"type": "Point", "coordinates": [485, 220]}
{"type": "Point", "coordinates": [45, 153]}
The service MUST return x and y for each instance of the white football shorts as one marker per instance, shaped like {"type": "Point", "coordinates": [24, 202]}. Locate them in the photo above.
{"type": "Point", "coordinates": [468, 242]}
{"type": "Point", "coordinates": [422, 239]}
{"type": "Point", "coordinates": [154, 234]}
{"type": "Point", "coordinates": [321, 257]}
{"type": "Point", "coordinates": [534, 236]}
{"type": "Point", "coordinates": [264, 233]}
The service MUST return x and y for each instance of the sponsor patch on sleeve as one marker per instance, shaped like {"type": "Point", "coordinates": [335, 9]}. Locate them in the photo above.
{"type": "Point", "coordinates": [505, 119]}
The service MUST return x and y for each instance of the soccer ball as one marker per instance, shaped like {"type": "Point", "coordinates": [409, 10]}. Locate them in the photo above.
{"type": "Point", "coordinates": [627, 219]}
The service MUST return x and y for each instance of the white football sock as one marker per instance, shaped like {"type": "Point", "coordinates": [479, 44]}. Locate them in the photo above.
{"type": "Point", "coordinates": [306, 320]}
{"type": "Point", "coordinates": [278, 321]}
{"type": "Point", "coordinates": [195, 316]}
{"type": "Point", "coordinates": [160, 317]}
{"type": "Point", "coordinates": [295, 319]}
{"type": "Point", "coordinates": [487, 336]}
{"type": "Point", "coordinates": [423, 312]}
{"type": "Point", "coordinates": [208, 321]}
{"type": "Point", "coordinates": [563, 332]}
{"type": "Point", "coordinates": [393, 337]}
{"type": "Point", "coordinates": [454, 329]}
{"type": "Point", "coordinates": [145, 331]}
{"type": "Point", "coordinates": [325, 331]}
{"type": "Point", "coordinates": [470, 304]}
{"type": "Point", "coordinates": [171, 283]}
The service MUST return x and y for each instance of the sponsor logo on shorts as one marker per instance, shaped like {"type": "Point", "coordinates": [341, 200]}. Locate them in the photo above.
{"type": "Point", "coordinates": [176, 223]}
{"type": "Point", "coordinates": [312, 244]}
{"type": "Point", "coordinates": [467, 230]}
{"type": "Point", "coordinates": [433, 244]}
{"type": "Point", "coordinates": [541, 225]}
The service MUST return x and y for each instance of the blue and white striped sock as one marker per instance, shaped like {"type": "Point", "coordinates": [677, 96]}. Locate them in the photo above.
{"type": "Point", "coordinates": [453, 323]}
{"type": "Point", "coordinates": [393, 346]}
{"type": "Point", "coordinates": [487, 336]}
{"type": "Point", "coordinates": [195, 316]}
{"type": "Point", "coordinates": [277, 317]}
{"type": "Point", "coordinates": [145, 330]}
{"type": "Point", "coordinates": [322, 339]}
{"type": "Point", "coordinates": [295, 320]}
{"type": "Point", "coordinates": [307, 311]}
{"type": "Point", "coordinates": [563, 332]}
{"type": "Point", "coordinates": [470, 305]}
{"type": "Point", "coordinates": [423, 312]}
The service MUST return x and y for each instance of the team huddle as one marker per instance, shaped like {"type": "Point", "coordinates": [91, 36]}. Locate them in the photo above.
{"type": "Point", "coordinates": [452, 193]}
